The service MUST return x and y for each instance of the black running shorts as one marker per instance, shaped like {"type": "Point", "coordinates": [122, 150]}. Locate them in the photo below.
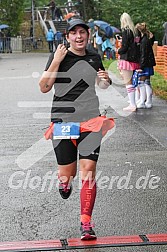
{"type": "Point", "coordinates": [88, 146]}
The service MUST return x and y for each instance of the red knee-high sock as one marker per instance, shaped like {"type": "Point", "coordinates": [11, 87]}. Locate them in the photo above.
{"type": "Point", "coordinates": [87, 198]}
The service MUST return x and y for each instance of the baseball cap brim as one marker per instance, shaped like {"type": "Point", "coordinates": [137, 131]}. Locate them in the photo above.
{"type": "Point", "coordinates": [75, 22]}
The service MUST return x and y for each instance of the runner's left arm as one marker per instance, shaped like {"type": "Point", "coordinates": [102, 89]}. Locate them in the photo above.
{"type": "Point", "coordinates": [103, 79]}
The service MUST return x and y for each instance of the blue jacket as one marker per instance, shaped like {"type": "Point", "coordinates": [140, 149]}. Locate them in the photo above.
{"type": "Point", "coordinates": [58, 35]}
{"type": "Point", "coordinates": [50, 35]}
{"type": "Point", "coordinates": [107, 44]}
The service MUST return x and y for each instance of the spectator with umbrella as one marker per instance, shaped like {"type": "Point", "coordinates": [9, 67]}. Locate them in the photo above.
{"type": "Point", "coordinates": [104, 37]}
{"type": "Point", "coordinates": [107, 28]}
{"type": "Point", "coordinates": [106, 33]}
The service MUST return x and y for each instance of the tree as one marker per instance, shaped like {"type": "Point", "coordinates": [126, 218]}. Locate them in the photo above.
{"type": "Point", "coordinates": [153, 12]}
{"type": "Point", "coordinates": [9, 10]}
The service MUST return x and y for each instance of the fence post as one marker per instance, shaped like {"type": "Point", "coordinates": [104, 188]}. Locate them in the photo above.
{"type": "Point", "coordinates": [16, 44]}
{"type": "Point", "coordinates": [155, 48]}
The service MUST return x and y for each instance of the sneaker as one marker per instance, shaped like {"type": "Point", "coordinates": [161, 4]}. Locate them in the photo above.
{"type": "Point", "coordinates": [147, 105]}
{"type": "Point", "coordinates": [130, 108]}
{"type": "Point", "coordinates": [65, 190]}
{"type": "Point", "coordinates": [87, 233]}
{"type": "Point", "coordinates": [141, 105]}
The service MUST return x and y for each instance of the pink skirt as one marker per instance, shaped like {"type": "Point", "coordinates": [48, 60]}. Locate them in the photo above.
{"type": "Point", "coordinates": [126, 65]}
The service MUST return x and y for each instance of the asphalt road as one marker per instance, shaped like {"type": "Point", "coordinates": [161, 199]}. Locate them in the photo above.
{"type": "Point", "coordinates": [132, 188]}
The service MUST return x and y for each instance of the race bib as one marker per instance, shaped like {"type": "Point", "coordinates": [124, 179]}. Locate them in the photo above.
{"type": "Point", "coordinates": [69, 130]}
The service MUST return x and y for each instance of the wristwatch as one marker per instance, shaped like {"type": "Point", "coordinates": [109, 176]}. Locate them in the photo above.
{"type": "Point", "coordinates": [110, 81]}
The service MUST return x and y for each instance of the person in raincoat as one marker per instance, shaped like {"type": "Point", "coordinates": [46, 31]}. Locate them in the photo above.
{"type": "Point", "coordinates": [108, 47]}
{"type": "Point", "coordinates": [50, 39]}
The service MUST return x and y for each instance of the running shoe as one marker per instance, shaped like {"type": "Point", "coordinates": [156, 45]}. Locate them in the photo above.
{"type": "Point", "coordinates": [65, 190]}
{"type": "Point", "coordinates": [87, 233]}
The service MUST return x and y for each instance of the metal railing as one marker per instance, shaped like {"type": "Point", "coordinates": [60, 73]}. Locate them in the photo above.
{"type": "Point", "coordinates": [30, 44]}
{"type": "Point", "coordinates": [19, 44]}
{"type": "Point", "coordinates": [5, 45]}
{"type": "Point", "coordinates": [42, 23]}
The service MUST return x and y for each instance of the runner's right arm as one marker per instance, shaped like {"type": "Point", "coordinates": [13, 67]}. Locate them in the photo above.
{"type": "Point", "coordinates": [49, 76]}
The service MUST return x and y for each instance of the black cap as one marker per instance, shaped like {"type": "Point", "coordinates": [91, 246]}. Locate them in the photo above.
{"type": "Point", "coordinates": [72, 23]}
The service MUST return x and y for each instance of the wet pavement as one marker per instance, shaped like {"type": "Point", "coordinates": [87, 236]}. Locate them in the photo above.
{"type": "Point", "coordinates": [131, 171]}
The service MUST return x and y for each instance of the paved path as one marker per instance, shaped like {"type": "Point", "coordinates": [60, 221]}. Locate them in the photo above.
{"type": "Point", "coordinates": [127, 203]}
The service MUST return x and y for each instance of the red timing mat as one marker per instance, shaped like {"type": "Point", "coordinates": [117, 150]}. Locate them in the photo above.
{"type": "Point", "coordinates": [76, 243]}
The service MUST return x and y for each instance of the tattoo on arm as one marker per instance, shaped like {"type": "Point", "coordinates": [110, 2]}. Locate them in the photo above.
{"type": "Point", "coordinates": [46, 85]}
